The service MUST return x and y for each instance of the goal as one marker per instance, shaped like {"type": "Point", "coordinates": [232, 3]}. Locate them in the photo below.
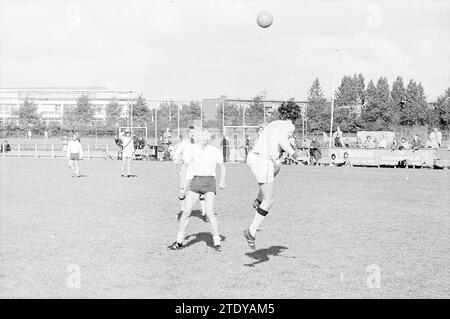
{"type": "Point", "coordinates": [237, 137]}
{"type": "Point", "coordinates": [139, 131]}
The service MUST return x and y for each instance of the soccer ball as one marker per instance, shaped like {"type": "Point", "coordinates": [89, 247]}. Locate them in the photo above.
{"type": "Point", "coordinates": [264, 19]}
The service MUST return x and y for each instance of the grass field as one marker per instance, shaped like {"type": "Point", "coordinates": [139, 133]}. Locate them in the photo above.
{"type": "Point", "coordinates": [327, 227]}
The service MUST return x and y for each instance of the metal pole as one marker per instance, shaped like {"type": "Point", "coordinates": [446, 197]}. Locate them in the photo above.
{"type": "Point", "coordinates": [243, 123]}
{"type": "Point", "coordinates": [156, 127]}
{"type": "Point", "coordinates": [201, 116]}
{"type": "Point", "coordinates": [178, 123]}
{"type": "Point", "coordinates": [131, 106]}
{"type": "Point", "coordinates": [332, 97]}
{"type": "Point", "coordinates": [264, 108]}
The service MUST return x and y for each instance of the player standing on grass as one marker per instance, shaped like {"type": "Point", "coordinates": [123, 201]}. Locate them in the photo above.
{"type": "Point", "coordinates": [127, 151]}
{"type": "Point", "coordinates": [74, 154]}
{"type": "Point", "coordinates": [181, 156]}
{"type": "Point", "coordinates": [203, 159]}
{"type": "Point", "coordinates": [265, 164]}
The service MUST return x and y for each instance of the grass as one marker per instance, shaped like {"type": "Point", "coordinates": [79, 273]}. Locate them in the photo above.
{"type": "Point", "coordinates": [327, 227]}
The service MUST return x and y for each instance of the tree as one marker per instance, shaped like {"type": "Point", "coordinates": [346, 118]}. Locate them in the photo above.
{"type": "Point", "coordinates": [233, 114]}
{"type": "Point", "coordinates": [113, 112]}
{"type": "Point", "coordinates": [28, 114]}
{"type": "Point", "coordinates": [414, 110]}
{"type": "Point", "coordinates": [319, 111]}
{"type": "Point", "coordinates": [81, 115]}
{"type": "Point", "coordinates": [439, 115]}
{"type": "Point", "coordinates": [347, 92]}
{"type": "Point", "coordinates": [254, 114]}
{"type": "Point", "coordinates": [398, 94]}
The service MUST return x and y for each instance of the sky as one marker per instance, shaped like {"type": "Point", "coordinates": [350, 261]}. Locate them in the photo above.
{"type": "Point", "coordinates": [185, 50]}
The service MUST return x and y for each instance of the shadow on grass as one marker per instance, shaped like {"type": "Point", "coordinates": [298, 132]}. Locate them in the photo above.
{"type": "Point", "coordinates": [262, 255]}
{"type": "Point", "coordinates": [199, 237]}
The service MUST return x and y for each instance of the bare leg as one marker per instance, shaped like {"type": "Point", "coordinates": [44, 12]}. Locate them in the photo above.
{"type": "Point", "coordinates": [77, 170]}
{"type": "Point", "coordinates": [190, 200]}
{"type": "Point", "coordinates": [129, 165]}
{"type": "Point", "coordinates": [267, 203]}
{"type": "Point", "coordinates": [209, 204]}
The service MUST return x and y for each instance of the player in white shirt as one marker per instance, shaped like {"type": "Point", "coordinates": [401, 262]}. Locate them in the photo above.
{"type": "Point", "coordinates": [127, 151]}
{"type": "Point", "coordinates": [74, 153]}
{"type": "Point", "coordinates": [264, 162]}
{"type": "Point", "coordinates": [203, 159]}
{"type": "Point", "coordinates": [181, 155]}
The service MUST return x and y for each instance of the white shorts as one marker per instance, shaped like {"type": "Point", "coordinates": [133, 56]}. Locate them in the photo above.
{"type": "Point", "coordinates": [263, 168]}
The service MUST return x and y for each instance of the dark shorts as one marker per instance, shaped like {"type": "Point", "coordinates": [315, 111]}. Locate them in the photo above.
{"type": "Point", "coordinates": [74, 156]}
{"type": "Point", "coordinates": [203, 184]}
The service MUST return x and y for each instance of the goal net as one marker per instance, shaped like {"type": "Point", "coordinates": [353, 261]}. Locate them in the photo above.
{"type": "Point", "coordinates": [240, 141]}
{"type": "Point", "coordinates": [139, 131]}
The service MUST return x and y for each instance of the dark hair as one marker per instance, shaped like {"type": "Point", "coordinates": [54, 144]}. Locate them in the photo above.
{"type": "Point", "coordinates": [289, 110]}
{"type": "Point", "coordinates": [191, 127]}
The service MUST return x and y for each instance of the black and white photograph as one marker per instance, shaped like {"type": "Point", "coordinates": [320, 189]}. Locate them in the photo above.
{"type": "Point", "coordinates": [224, 150]}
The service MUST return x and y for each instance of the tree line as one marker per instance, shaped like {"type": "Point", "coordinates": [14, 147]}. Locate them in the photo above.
{"type": "Point", "coordinates": [375, 106]}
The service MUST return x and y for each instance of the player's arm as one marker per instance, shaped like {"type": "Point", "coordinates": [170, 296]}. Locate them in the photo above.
{"type": "Point", "coordinates": [284, 141]}
{"type": "Point", "coordinates": [222, 184]}
{"type": "Point", "coordinates": [68, 150]}
{"type": "Point", "coordinates": [219, 159]}
{"type": "Point", "coordinates": [177, 153]}
{"type": "Point", "coordinates": [81, 150]}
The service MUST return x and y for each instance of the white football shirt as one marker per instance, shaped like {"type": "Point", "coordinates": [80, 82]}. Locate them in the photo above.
{"type": "Point", "coordinates": [274, 138]}
{"type": "Point", "coordinates": [203, 160]}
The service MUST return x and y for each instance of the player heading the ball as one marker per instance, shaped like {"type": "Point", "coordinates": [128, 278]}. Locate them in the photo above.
{"type": "Point", "coordinates": [264, 162]}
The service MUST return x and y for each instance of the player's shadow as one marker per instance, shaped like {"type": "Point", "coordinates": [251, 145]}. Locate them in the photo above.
{"type": "Point", "coordinates": [262, 255]}
{"type": "Point", "coordinates": [128, 176]}
{"type": "Point", "coordinates": [202, 236]}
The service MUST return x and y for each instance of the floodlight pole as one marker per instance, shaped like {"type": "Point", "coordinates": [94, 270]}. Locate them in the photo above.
{"type": "Point", "coordinates": [332, 97]}
{"type": "Point", "coordinates": [178, 123]}
{"type": "Point", "coordinates": [156, 126]}
{"type": "Point", "coordinates": [131, 111]}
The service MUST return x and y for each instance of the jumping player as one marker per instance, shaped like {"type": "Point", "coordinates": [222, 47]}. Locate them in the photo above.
{"type": "Point", "coordinates": [74, 154]}
{"type": "Point", "coordinates": [203, 159]}
{"type": "Point", "coordinates": [181, 156]}
{"type": "Point", "coordinates": [265, 164]}
{"type": "Point", "coordinates": [127, 151]}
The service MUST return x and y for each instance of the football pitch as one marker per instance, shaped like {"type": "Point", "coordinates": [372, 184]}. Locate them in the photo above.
{"type": "Point", "coordinates": [333, 233]}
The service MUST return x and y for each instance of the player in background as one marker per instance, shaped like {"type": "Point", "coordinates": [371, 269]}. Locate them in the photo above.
{"type": "Point", "coordinates": [203, 159]}
{"type": "Point", "coordinates": [74, 154]}
{"type": "Point", "coordinates": [127, 151]}
{"type": "Point", "coordinates": [181, 155]}
{"type": "Point", "coordinates": [264, 162]}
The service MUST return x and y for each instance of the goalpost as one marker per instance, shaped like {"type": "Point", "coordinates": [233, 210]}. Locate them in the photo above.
{"type": "Point", "coordinates": [237, 137]}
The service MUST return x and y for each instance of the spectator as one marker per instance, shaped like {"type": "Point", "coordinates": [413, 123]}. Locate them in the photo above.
{"type": "Point", "coordinates": [45, 135]}
{"type": "Point", "coordinates": [333, 160]}
{"type": "Point", "coordinates": [382, 143]}
{"type": "Point", "coordinates": [29, 134]}
{"type": "Point", "coordinates": [167, 136]}
{"type": "Point", "coordinates": [119, 144]}
{"type": "Point", "coordinates": [337, 137]}
{"type": "Point", "coordinates": [314, 151]}
{"type": "Point", "coordinates": [247, 147]}
{"type": "Point", "coordinates": [368, 143]}
{"type": "Point", "coordinates": [404, 145]}
{"type": "Point", "coordinates": [417, 143]}
{"type": "Point", "coordinates": [347, 143]}
{"type": "Point", "coordinates": [5, 147]}
{"type": "Point", "coordinates": [225, 144]}
{"type": "Point", "coordinates": [65, 142]}
{"type": "Point", "coordinates": [358, 142]}
{"type": "Point", "coordinates": [394, 144]}
{"type": "Point", "coordinates": [436, 140]}
{"type": "Point", "coordinates": [428, 143]}
{"type": "Point", "coordinates": [347, 162]}
{"type": "Point", "coordinates": [375, 142]}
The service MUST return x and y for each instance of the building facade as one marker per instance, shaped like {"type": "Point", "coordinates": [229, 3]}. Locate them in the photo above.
{"type": "Point", "coordinates": [51, 102]}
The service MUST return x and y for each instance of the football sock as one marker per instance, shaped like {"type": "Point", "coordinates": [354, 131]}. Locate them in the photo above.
{"type": "Point", "coordinates": [257, 220]}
